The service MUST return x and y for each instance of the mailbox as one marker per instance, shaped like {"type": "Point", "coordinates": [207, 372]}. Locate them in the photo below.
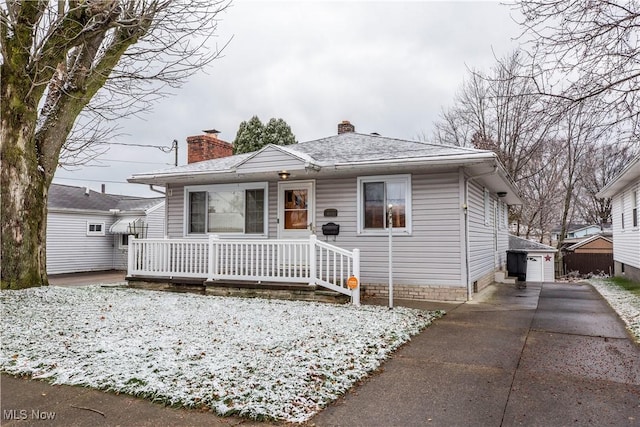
{"type": "Point", "coordinates": [331, 229]}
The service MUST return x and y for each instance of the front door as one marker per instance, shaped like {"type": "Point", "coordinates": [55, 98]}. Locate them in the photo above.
{"type": "Point", "coordinates": [296, 209]}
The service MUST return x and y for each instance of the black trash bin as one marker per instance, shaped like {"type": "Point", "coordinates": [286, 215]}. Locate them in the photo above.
{"type": "Point", "coordinates": [517, 265]}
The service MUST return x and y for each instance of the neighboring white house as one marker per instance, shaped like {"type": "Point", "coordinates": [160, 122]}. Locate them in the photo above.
{"type": "Point", "coordinates": [577, 231]}
{"type": "Point", "coordinates": [89, 231]}
{"type": "Point", "coordinates": [449, 209]}
{"type": "Point", "coordinates": [624, 190]}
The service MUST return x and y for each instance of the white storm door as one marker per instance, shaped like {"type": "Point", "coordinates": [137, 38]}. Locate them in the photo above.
{"type": "Point", "coordinates": [296, 209]}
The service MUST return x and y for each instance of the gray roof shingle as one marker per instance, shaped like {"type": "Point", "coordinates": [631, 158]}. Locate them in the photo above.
{"type": "Point", "coordinates": [519, 244]}
{"type": "Point", "coordinates": [337, 149]}
{"type": "Point", "coordinates": [70, 197]}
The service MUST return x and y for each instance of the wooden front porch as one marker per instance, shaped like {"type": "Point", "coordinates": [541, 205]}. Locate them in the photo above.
{"type": "Point", "coordinates": [266, 265]}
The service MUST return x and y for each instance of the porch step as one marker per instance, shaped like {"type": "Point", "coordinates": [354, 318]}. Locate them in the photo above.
{"type": "Point", "coordinates": [501, 277]}
{"type": "Point", "coordinates": [247, 289]}
{"type": "Point", "coordinates": [275, 290]}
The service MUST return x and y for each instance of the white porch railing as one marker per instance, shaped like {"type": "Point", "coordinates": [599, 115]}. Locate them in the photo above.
{"type": "Point", "coordinates": [296, 261]}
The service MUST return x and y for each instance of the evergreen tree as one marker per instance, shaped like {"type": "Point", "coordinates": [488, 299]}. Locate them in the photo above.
{"type": "Point", "coordinates": [253, 135]}
{"type": "Point", "coordinates": [249, 136]}
{"type": "Point", "coordinates": [278, 132]}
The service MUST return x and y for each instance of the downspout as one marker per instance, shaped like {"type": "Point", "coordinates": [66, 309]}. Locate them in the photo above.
{"type": "Point", "coordinates": [166, 211]}
{"type": "Point", "coordinates": [465, 206]}
{"type": "Point", "coordinates": [155, 190]}
{"type": "Point", "coordinates": [166, 202]}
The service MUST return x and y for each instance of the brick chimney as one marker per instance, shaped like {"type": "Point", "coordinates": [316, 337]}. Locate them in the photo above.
{"type": "Point", "coordinates": [345, 127]}
{"type": "Point", "coordinates": [207, 147]}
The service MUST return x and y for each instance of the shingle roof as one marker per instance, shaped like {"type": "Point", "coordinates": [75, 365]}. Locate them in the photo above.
{"type": "Point", "coordinates": [356, 147]}
{"type": "Point", "coordinates": [519, 244]}
{"type": "Point", "coordinates": [70, 197]}
{"type": "Point", "coordinates": [344, 148]}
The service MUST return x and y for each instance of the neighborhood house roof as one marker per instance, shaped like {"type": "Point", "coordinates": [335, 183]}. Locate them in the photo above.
{"type": "Point", "coordinates": [586, 241]}
{"type": "Point", "coordinates": [341, 152]}
{"type": "Point", "coordinates": [80, 198]}
{"type": "Point", "coordinates": [519, 244]}
{"type": "Point", "coordinates": [628, 175]}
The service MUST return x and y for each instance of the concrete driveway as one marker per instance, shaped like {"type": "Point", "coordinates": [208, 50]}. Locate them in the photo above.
{"type": "Point", "coordinates": [547, 355]}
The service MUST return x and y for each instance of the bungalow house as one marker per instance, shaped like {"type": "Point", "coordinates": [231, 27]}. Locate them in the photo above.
{"type": "Point", "coordinates": [624, 190]}
{"type": "Point", "coordinates": [324, 212]}
{"type": "Point", "coordinates": [90, 231]}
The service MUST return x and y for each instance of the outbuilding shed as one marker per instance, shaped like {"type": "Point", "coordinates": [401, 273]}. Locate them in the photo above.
{"type": "Point", "coordinates": [540, 259]}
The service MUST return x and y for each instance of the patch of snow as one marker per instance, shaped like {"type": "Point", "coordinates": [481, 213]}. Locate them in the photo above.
{"type": "Point", "coordinates": [256, 358]}
{"type": "Point", "coordinates": [626, 304]}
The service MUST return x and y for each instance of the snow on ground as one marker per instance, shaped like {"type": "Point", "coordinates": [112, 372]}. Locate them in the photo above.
{"type": "Point", "coordinates": [251, 357]}
{"type": "Point", "coordinates": [626, 304]}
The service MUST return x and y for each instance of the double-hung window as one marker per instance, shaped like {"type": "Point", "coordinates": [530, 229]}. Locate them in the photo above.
{"type": "Point", "coordinates": [622, 211]}
{"type": "Point", "coordinates": [226, 209]}
{"type": "Point", "coordinates": [375, 195]}
{"type": "Point", "coordinates": [634, 207]}
{"type": "Point", "coordinates": [95, 228]}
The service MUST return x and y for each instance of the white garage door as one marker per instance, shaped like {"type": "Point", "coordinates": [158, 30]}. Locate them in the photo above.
{"type": "Point", "coordinates": [534, 268]}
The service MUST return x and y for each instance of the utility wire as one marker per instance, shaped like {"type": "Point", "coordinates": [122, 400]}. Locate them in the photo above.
{"type": "Point", "coordinates": [92, 180]}
{"type": "Point", "coordinates": [132, 161]}
{"type": "Point", "coordinates": [163, 148]}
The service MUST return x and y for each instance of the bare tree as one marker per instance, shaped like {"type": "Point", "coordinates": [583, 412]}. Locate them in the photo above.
{"type": "Point", "coordinates": [496, 111]}
{"type": "Point", "coordinates": [583, 50]}
{"type": "Point", "coordinates": [605, 161]}
{"type": "Point", "coordinates": [542, 191]}
{"type": "Point", "coordinates": [62, 59]}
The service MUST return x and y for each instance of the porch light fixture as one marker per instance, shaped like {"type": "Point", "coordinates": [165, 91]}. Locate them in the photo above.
{"type": "Point", "coordinates": [502, 193]}
{"type": "Point", "coordinates": [284, 174]}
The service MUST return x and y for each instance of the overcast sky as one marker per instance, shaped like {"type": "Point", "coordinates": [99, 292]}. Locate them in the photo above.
{"type": "Point", "coordinates": [388, 67]}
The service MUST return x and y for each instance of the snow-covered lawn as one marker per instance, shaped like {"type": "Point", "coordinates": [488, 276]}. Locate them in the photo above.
{"type": "Point", "coordinates": [256, 358]}
{"type": "Point", "coordinates": [626, 304]}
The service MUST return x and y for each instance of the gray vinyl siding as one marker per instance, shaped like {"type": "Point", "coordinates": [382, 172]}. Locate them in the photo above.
{"type": "Point", "coordinates": [482, 254]}
{"type": "Point", "coordinates": [626, 241]}
{"type": "Point", "coordinates": [503, 238]}
{"type": "Point", "coordinates": [175, 212]}
{"type": "Point", "coordinates": [155, 222]}
{"type": "Point", "coordinates": [434, 253]}
{"type": "Point", "coordinates": [70, 250]}
{"type": "Point", "coordinates": [271, 159]}
{"type": "Point", "coordinates": [431, 255]}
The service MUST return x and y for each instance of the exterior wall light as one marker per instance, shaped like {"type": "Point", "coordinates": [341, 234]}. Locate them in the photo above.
{"type": "Point", "coordinates": [284, 175]}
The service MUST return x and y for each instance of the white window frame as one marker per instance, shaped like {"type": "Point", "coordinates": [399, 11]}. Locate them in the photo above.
{"type": "Point", "coordinates": [226, 187]}
{"type": "Point", "coordinates": [502, 210]}
{"type": "Point", "coordinates": [622, 211]}
{"type": "Point", "coordinates": [635, 219]}
{"type": "Point", "coordinates": [93, 232]}
{"type": "Point", "coordinates": [404, 178]}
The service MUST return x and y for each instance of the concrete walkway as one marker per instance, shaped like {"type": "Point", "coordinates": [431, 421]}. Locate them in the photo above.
{"type": "Point", "coordinates": [547, 355]}
{"type": "Point", "coordinates": [88, 278]}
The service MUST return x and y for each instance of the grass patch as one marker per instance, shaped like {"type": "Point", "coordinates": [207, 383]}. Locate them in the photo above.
{"type": "Point", "coordinates": [629, 285]}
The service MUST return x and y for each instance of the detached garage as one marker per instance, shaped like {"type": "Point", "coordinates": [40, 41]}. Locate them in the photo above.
{"type": "Point", "coordinates": [539, 259]}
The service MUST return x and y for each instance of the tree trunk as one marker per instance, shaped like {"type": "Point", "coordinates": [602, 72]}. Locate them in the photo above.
{"type": "Point", "coordinates": [24, 189]}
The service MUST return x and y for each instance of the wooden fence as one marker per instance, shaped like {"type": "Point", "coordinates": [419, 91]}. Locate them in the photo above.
{"type": "Point", "coordinates": [585, 263]}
